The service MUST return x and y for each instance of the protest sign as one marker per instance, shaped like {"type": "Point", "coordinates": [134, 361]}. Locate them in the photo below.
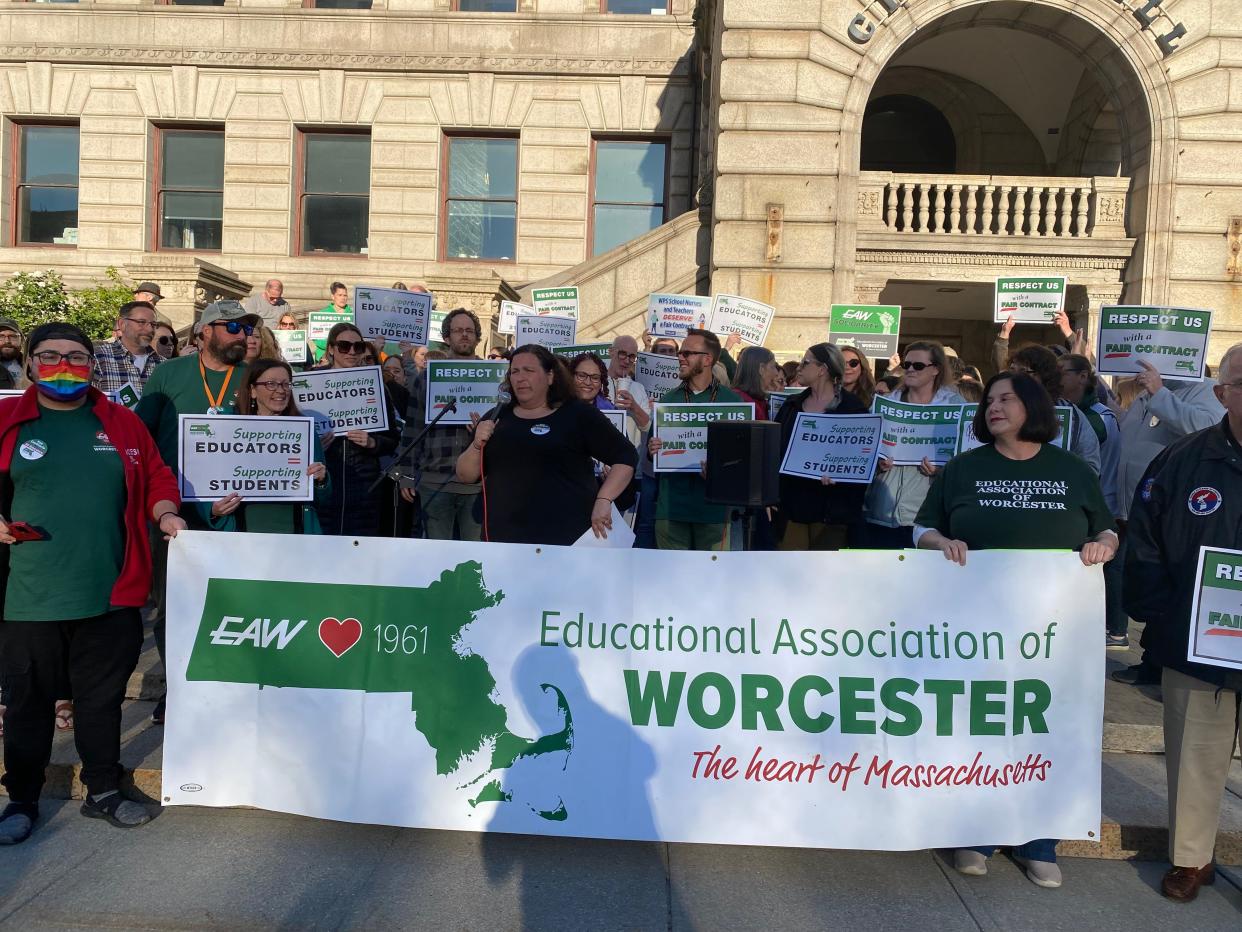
{"type": "Point", "coordinates": [777, 399]}
{"type": "Point", "coordinates": [749, 319]}
{"type": "Point", "coordinates": [1216, 617]}
{"type": "Point", "coordinates": [128, 395]}
{"type": "Point", "coordinates": [342, 399]}
{"type": "Point", "coordinates": [671, 315]}
{"type": "Point", "coordinates": [546, 331]}
{"type": "Point", "coordinates": [474, 383]}
{"type": "Point", "coordinates": [657, 374]}
{"type": "Point", "coordinates": [966, 439]}
{"type": "Point", "coordinates": [262, 459]}
{"type": "Point", "coordinates": [397, 315]}
{"type": "Point", "coordinates": [635, 694]}
{"type": "Point", "coordinates": [1173, 339]}
{"type": "Point", "coordinates": [1033, 299]}
{"type": "Point", "coordinates": [509, 311]}
{"type": "Point", "coordinates": [840, 446]}
{"type": "Point", "coordinates": [912, 432]}
{"type": "Point", "coordinates": [682, 431]}
{"type": "Point", "coordinates": [435, 332]}
{"type": "Point", "coordinates": [558, 302]}
{"type": "Point", "coordinates": [292, 345]}
{"type": "Point", "coordinates": [320, 324]}
{"type": "Point", "coordinates": [872, 329]}
{"type": "Point", "coordinates": [602, 350]}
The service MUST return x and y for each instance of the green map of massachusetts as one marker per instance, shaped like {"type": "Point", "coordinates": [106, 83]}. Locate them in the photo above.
{"type": "Point", "coordinates": [377, 639]}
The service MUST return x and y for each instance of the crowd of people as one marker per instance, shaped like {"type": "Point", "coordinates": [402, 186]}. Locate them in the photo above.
{"type": "Point", "coordinates": [94, 482]}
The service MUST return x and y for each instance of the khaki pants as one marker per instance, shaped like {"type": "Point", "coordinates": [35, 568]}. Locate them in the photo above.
{"type": "Point", "coordinates": [685, 535]}
{"type": "Point", "coordinates": [816, 536]}
{"type": "Point", "coordinates": [1200, 731]}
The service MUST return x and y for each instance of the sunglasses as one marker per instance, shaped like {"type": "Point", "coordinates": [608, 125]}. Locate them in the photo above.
{"type": "Point", "coordinates": [686, 354]}
{"type": "Point", "coordinates": [166, 341]}
{"type": "Point", "coordinates": [916, 366]}
{"type": "Point", "coordinates": [853, 363]}
{"type": "Point", "coordinates": [234, 327]}
{"type": "Point", "coordinates": [350, 347]}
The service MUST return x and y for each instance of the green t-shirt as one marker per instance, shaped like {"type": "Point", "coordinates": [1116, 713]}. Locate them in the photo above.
{"type": "Point", "coordinates": [1050, 502]}
{"type": "Point", "coordinates": [176, 387]}
{"type": "Point", "coordinates": [69, 482]}
{"type": "Point", "coordinates": [684, 497]}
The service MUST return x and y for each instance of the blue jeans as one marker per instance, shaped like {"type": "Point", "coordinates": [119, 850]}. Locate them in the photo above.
{"type": "Point", "coordinates": [644, 524]}
{"type": "Point", "coordinates": [1041, 849]}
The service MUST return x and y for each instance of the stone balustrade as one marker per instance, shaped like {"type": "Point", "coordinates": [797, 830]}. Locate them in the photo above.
{"type": "Point", "coordinates": [992, 205]}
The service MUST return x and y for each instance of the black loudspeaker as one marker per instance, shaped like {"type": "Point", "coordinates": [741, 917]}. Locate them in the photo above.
{"type": "Point", "coordinates": [743, 459]}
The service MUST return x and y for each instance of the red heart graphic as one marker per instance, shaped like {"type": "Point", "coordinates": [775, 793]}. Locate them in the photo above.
{"type": "Point", "coordinates": [340, 636]}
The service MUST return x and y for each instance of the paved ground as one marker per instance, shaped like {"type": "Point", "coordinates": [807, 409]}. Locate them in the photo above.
{"type": "Point", "coordinates": [199, 868]}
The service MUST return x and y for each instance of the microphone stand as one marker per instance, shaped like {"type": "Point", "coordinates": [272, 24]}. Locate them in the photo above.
{"type": "Point", "coordinates": [394, 471]}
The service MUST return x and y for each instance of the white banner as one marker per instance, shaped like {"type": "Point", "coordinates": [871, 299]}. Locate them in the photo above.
{"type": "Point", "coordinates": [657, 373]}
{"type": "Point", "coordinates": [671, 315]}
{"type": "Point", "coordinates": [581, 692]}
{"type": "Point", "coordinates": [749, 319]}
{"type": "Point", "coordinates": [342, 399]}
{"type": "Point", "coordinates": [474, 383]}
{"type": "Point", "coordinates": [546, 331]}
{"type": "Point", "coordinates": [682, 431]}
{"type": "Point", "coordinates": [559, 302]}
{"type": "Point", "coordinates": [842, 447]}
{"type": "Point", "coordinates": [396, 315]}
{"type": "Point", "coordinates": [259, 458]}
{"type": "Point", "coordinates": [292, 345]}
{"type": "Point", "coordinates": [509, 311]}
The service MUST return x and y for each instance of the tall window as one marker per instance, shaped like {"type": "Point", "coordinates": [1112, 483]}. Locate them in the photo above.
{"type": "Point", "coordinates": [629, 191]}
{"type": "Point", "coordinates": [480, 209]}
{"type": "Point", "coordinates": [641, 7]}
{"type": "Point", "coordinates": [335, 192]}
{"type": "Point", "coordinates": [46, 198]}
{"type": "Point", "coordinates": [487, 6]}
{"type": "Point", "coordinates": [190, 199]}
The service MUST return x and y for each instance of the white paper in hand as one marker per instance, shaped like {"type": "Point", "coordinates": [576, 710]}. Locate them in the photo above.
{"type": "Point", "coordinates": [621, 536]}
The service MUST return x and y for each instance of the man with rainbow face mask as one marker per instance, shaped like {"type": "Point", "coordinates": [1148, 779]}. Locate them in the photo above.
{"type": "Point", "coordinates": [80, 477]}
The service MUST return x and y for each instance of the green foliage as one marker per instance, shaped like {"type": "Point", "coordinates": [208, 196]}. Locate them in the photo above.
{"type": "Point", "coordinates": [33, 298]}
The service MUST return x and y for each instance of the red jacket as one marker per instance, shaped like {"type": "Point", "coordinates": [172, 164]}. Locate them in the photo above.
{"type": "Point", "coordinates": [147, 480]}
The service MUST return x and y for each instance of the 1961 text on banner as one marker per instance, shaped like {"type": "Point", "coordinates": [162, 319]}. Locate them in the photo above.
{"type": "Point", "coordinates": [598, 693]}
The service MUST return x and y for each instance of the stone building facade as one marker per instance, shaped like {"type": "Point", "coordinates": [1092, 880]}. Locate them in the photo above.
{"type": "Point", "coordinates": [813, 151]}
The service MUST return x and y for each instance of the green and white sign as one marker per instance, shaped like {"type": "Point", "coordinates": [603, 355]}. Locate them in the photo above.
{"type": "Point", "coordinates": [343, 399]}
{"type": "Point", "coordinates": [509, 311]}
{"type": "Point", "coordinates": [602, 350]}
{"type": "Point", "coordinates": [657, 373]}
{"type": "Point", "coordinates": [474, 383]}
{"type": "Point", "coordinates": [1216, 618]}
{"type": "Point", "coordinates": [1173, 339]}
{"type": "Point", "coordinates": [397, 315]}
{"type": "Point", "coordinates": [1033, 299]}
{"type": "Point", "coordinates": [128, 395]}
{"type": "Point", "coordinates": [872, 329]}
{"type": "Point", "coordinates": [671, 315]}
{"type": "Point", "coordinates": [632, 694]}
{"type": "Point", "coordinates": [776, 400]}
{"type": "Point", "coordinates": [842, 447]}
{"type": "Point", "coordinates": [966, 439]}
{"type": "Point", "coordinates": [748, 318]}
{"type": "Point", "coordinates": [292, 345]}
{"type": "Point", "coordinates": [262, 459]}
{"type": "Point", "coordinates": [546, 331]}
{"type": "Point", "coordinates": [682, 431]}
{"type": "Point", "coordinates": [912, 433]}
{"type": "Point", "coordinates": [320, 324]}
{"type": "Point", "coordinates": [559, 302]}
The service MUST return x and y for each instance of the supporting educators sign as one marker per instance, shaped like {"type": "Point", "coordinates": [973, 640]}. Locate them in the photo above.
{"type": "Point", "coordinates": [913, 432]}
{"type": "Point", "coordinates": [1216, 619]}
{"type": "Point", "coordinates": [1173, 339]}
{"type": "Point", "coordinates": [342, 399]}
{"type": "Point", "coordinates": [749, 319]}
{"type": "Point", "coordinates": [474, 383]}
{"type": "Point", "coordinates": [546, 331]}
{"type": "Point", "coordinates": [840, 446]}
{"type": "Point", "coordinates": [597, 693]}
{"type": "Point", "coordinates": [872, 329]}
{"type": "Point", "coordinates": [657, 373]}
{"type": "Point", "coordinates": [682, 431]}
{"type": "Point", "coordinates": [260, 458]}
{"type": "Point", "coordinates": [397, 315]}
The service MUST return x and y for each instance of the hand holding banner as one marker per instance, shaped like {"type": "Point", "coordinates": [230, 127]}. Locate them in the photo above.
{"type": "Point", "coordinates": [1173, 339]}
{"type": "Point", "coordinates": [259, 458]}
{"type": "Point", "coordinates": [842, 447]}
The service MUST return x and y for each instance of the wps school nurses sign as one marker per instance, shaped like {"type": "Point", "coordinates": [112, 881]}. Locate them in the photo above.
{"type": "Point", "coordinates": [671, 315]}
{"type": "Point", "coordinates": [682, 431]}
{"type": "Point", "coordinates": [1173, 339]}
{"type": "Point", "coordinates": [262, 459]}
{"type": "Point", "coordinates": [482, 687]}
{"type": "Point", "coordinates": [546, 331]}
{"type": "Point", "coordinates": [840, 446]}
{"type": "Point", "coordinates": [342, 399]}
{"type": "Point", "coordinates": [396, 315]}
{"type": "Point", "coordinates": [749, 319]}
{"type": "Point", "coordinates": [911, 433]}
{"type": "Point", "coordinates": [1216, 619]}
{"type": "Point", "coordinates": [474, 383]}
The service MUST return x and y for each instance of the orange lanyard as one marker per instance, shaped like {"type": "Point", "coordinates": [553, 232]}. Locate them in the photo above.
{"type": "Point", "coordinates": [216, 403]}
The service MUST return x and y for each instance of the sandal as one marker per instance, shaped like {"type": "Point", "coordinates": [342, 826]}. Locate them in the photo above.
{"type": "Point", "coordinates": [64, 715]}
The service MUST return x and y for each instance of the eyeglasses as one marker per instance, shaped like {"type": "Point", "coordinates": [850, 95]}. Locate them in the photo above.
{"type": "Point", "coordinates": [350, 347]}
{"type": "Point", "coordinates": [52, 358]}
{"type": "Point", "coordinates": [686, 354]}
{"type": "Point", "coordinates": [586, 378]}
{"type": "Point", "coordinates": [272, 385]}
{"type": "Point", "coordinates": [461, 331]}
{"type": "Point", "coordinates": [8, 336]}
{"type": "Point", "coordinates": [1237, 385]}
{"type": "Point", "coordinates": [622, 354]}
{"type": "Point", "coordinates": [139, 322]}
{"type": "Point", "coordinates": [167, 341]}
{"type": "Point", "coordinates": [916, 366]}
{"type": "Point", "coordinates": [809, 362]}
{"type": "Point", "coordinates": [234, 326]}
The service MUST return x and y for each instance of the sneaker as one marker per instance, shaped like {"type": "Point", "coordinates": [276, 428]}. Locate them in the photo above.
{"type": "Point", "coordinates": [17, 822]}
{"type": "Point", "coordinates": [117, 810]}
{"type": "Point", "coordinates": [157, 716]}
{"type": "Point", "coordinates": [1116, 642]}
{"type": "Point", "coordinates": [970, 862]}
{"type": "Point", "coordinates": [1041, 873]}
{"type": "Point", "coordinates": [1139, 674]}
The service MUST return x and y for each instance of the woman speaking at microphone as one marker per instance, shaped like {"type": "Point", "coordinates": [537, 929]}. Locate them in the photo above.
{"type": "Point", "coordinates": [535, 459]}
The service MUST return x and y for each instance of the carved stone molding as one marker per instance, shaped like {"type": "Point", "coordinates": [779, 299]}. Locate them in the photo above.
{"type": "Point", "coordinates": [1027, 260]}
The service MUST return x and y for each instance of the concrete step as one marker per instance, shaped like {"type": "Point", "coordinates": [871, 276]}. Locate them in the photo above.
{"type": "Point", "coordinates": [147, 680]}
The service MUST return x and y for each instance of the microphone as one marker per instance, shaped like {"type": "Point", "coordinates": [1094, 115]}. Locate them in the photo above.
{"type": "Point", "coordinates": [502, 399]}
